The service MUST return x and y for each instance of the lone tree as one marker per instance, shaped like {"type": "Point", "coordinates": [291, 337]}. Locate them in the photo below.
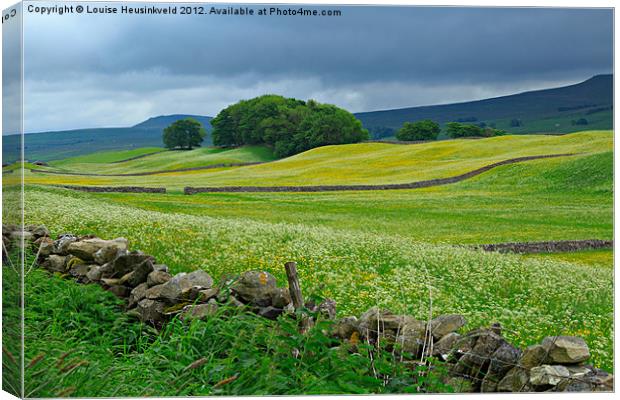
{"type": "Point", "coordinates": [420, 130]}
{"type": "Point", "coordinates": [458, 130]}
{"type": "Point", "coordinates": [184, 134]}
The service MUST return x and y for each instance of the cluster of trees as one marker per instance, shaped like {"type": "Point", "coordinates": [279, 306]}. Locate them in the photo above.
{"type": "Point", "coordinates": [429, 130]}
{"type": "Point", "coordinates": [184, 134]}
{"type": "Point", "coordinates": [419, 130]}
{"type": "Point", "coordinates": [458, 130]}
{"type": "Point", "coordinates": [291, 126]}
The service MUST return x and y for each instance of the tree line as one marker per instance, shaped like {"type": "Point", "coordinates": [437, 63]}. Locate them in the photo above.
{"type": "Point", "coordinates": [429, 130]}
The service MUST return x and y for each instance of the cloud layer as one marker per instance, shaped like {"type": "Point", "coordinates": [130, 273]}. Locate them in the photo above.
{"type": "Point", "coordinates": [116, 70]}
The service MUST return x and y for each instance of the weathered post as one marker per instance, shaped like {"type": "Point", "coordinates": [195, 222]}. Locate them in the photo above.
{"type": "Point", "coordinates": [295, 290]}
{"type": "Point", "coordinates": [293, 285]}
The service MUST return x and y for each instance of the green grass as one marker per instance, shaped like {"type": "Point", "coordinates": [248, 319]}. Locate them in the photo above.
{"type": "Point", "coordinates": [105, 157]}
{"type": "Point", "coordinates": [531, 298]}
{"type": "Point", "coordinates": [79, 343]}
{"type": "Point", "coordinates": [365, 163]}
{"type": "Point", "coordinates": [601, 258]}
{"type": "Point", "coordinates": [165, 160]}
{"type": "Point", "coordinates": [555, 199]}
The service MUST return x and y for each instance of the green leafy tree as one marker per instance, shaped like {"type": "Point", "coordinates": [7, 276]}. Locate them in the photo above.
{"type": "Point", "coordinates": [420, 130]}
{"type": "Point", "coordinates": [289, 125]}
{"type": "Point", "coordinates": [184, 133]}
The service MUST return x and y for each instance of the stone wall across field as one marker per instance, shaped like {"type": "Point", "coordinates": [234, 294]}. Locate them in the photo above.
{"type": "Point", "coordinates": [479, 360]}
{"type": "Point", "coordinates": [114, 189]}
{"type": "Point", "coordinates": [549, 247]}
{"type": "Point", "coordinates": [396, 186]}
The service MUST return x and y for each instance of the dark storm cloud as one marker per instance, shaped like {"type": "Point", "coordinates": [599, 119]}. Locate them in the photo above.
{"type": "Point", "coordinates": [369, 58]}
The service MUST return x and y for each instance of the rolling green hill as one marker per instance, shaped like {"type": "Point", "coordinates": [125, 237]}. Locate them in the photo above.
{"type": "Point", "coordinates": [164, 160]}
{"type": "Point", "coordinates": [541, 111]}
{"type": "Point", "coordinates": [363, 163]}
{"type": "Point", "coordinates": [46, 146]}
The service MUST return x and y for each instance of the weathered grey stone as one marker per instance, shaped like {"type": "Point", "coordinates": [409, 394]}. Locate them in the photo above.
{"type": "Point", "coordinates": [477, 348]}
{"type": "Point", "coordinates": [548, 375]}
{"type": "Point", "coordinates": [199, 311]}
{"type": "Point", "coordinates": [516, 380]}
{"type": "Point", "coordinates": [565, 349]}
{"type": "Point", "coordinates": [443, 346]}
{"type": "Point", "coordinates": [158, 277]}
{"type": "Point", "coordinates": [255, 287]}
{"type": "Point", "coordinates": [45, 246]}
{"type": "Point", "coordinates": [172, 291]}
{"type": "Point", "coordinates": [444, 324]}
{"type": "Point", "coordinates": [151, 311]}
{"type": "Point", "coordinates": [120, 290]}
{"type": "Point", "coordinates": [86, 249]}
{"type": "Point", "coordinates": [160, 267]}
{"type": "Point", "coordinates": [94, 274]}
{"type": "Point", "coordinates": [39, 231]}
{"type": "Point", "coordinates": [501, 361]}
{"type": "Point", "coordinates": [106, 254]}
{"type": "Point", "coordinates": [79, 271]}
{"type": "Point", "coordinates": [533, 356]}
{"type": "Point", "coordinates": [327, 308]}
{"type": "Point", "coordinates": [376, 321]}
{"type": "Point", "coordinates": [280, 297]}
{"type": "Point", "coordinates": [56, 263]}
{"type": "Point", "coordinates": [63, 241]}
{"type": "Point", "coordinates": [345, 327]}
{"type": "Point", "coordinates": [270, 312]}
{"type": "Point", "coordinates": [138, 293]}
{"type": "Point", "coordinates": [205, 295]}
{"type": "Point", "coordinates": [17, 236]}
{"type": "Point", "coordinates": [125, 262]}
{"type": "Point", "coordinates": [140, 273]}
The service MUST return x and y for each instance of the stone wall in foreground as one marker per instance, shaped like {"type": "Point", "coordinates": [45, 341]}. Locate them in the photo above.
{"type": "Point", "coordinates": [479, 360]}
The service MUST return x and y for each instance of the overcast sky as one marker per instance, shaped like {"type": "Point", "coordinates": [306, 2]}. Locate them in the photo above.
{"type": "Point", "coordinates": [117, 70]}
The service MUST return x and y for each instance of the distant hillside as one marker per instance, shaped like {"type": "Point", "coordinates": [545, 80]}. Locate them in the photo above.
{"type": "Point", "coordinates": [541, 111]}
{"type": "Point", "coordinates": [48, 146]}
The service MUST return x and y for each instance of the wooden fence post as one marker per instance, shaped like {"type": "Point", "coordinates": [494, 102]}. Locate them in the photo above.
{"type": "Point", "coordinates": [295, 290]}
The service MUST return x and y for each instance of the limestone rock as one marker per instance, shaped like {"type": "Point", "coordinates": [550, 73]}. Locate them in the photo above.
{"type": "Point", "coordinates": [140, 273]}
{"type": "Point", "coordinates": [151, 311]}
{"type": "Point", "coordinates": [172, 291]}
{"type": "Point", "coordinates": [125, 262]}
{"type": "Point", "coordinates": [61, 244]}
{"type": "Point", "coordinates": [443, 346]}
{"type": "Point", "coordinates": [56, 263]}
{"type": "Point", "coordinates": [46, 246]}
{"type": "Point", "coordinates": [548, 375]}
{"type": "Point", "coordinates": [106, 254]}
{"type": "Point", "coordinates": [137, 294]}
{"type": "Point", "coordinates": [327, 308]}
{"type": "Point", "coordinates": [516, 380]}
{"type": "Point", "coordinates": [533, 356]}
{"type": "Point", "coordinates": [199, 311]}
{"type": "Point", "coordinates": [255, 287]}
{"type": "Point", "coordinates": [94, 274]}
{"type": "Point", "coordinates": [445, 324]}
{"type": "Point", "coordinates": [119, 290]}
{"type": "Point", "coordinates": [86, 249]}
{"type": "Point", "coordinates": [280, 297]}
{"type": "Point", "coordinates": [157, 277]}
{"type": "Point", "coordinates": [205, 295]}
{"type": "Point", "coordinates": [270, 312]}
{"type": "Point", "coordinates": [566, 349]}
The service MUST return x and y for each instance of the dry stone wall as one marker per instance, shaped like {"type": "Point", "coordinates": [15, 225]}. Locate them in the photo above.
{"type": "Point", "coordinates": [480, 360]}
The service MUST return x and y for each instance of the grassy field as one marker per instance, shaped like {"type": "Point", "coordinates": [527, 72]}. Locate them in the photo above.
{"type": "Point", "coordinates": [103, 157]}
{"type": "Point", "coordinates": [531, 298]}
{"type": "Point", "coordinates": [366, 163]}
{"type": "Point", "coordinates": [366, 248]}
{"type": "Point", "coordinates": [165, 160]}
